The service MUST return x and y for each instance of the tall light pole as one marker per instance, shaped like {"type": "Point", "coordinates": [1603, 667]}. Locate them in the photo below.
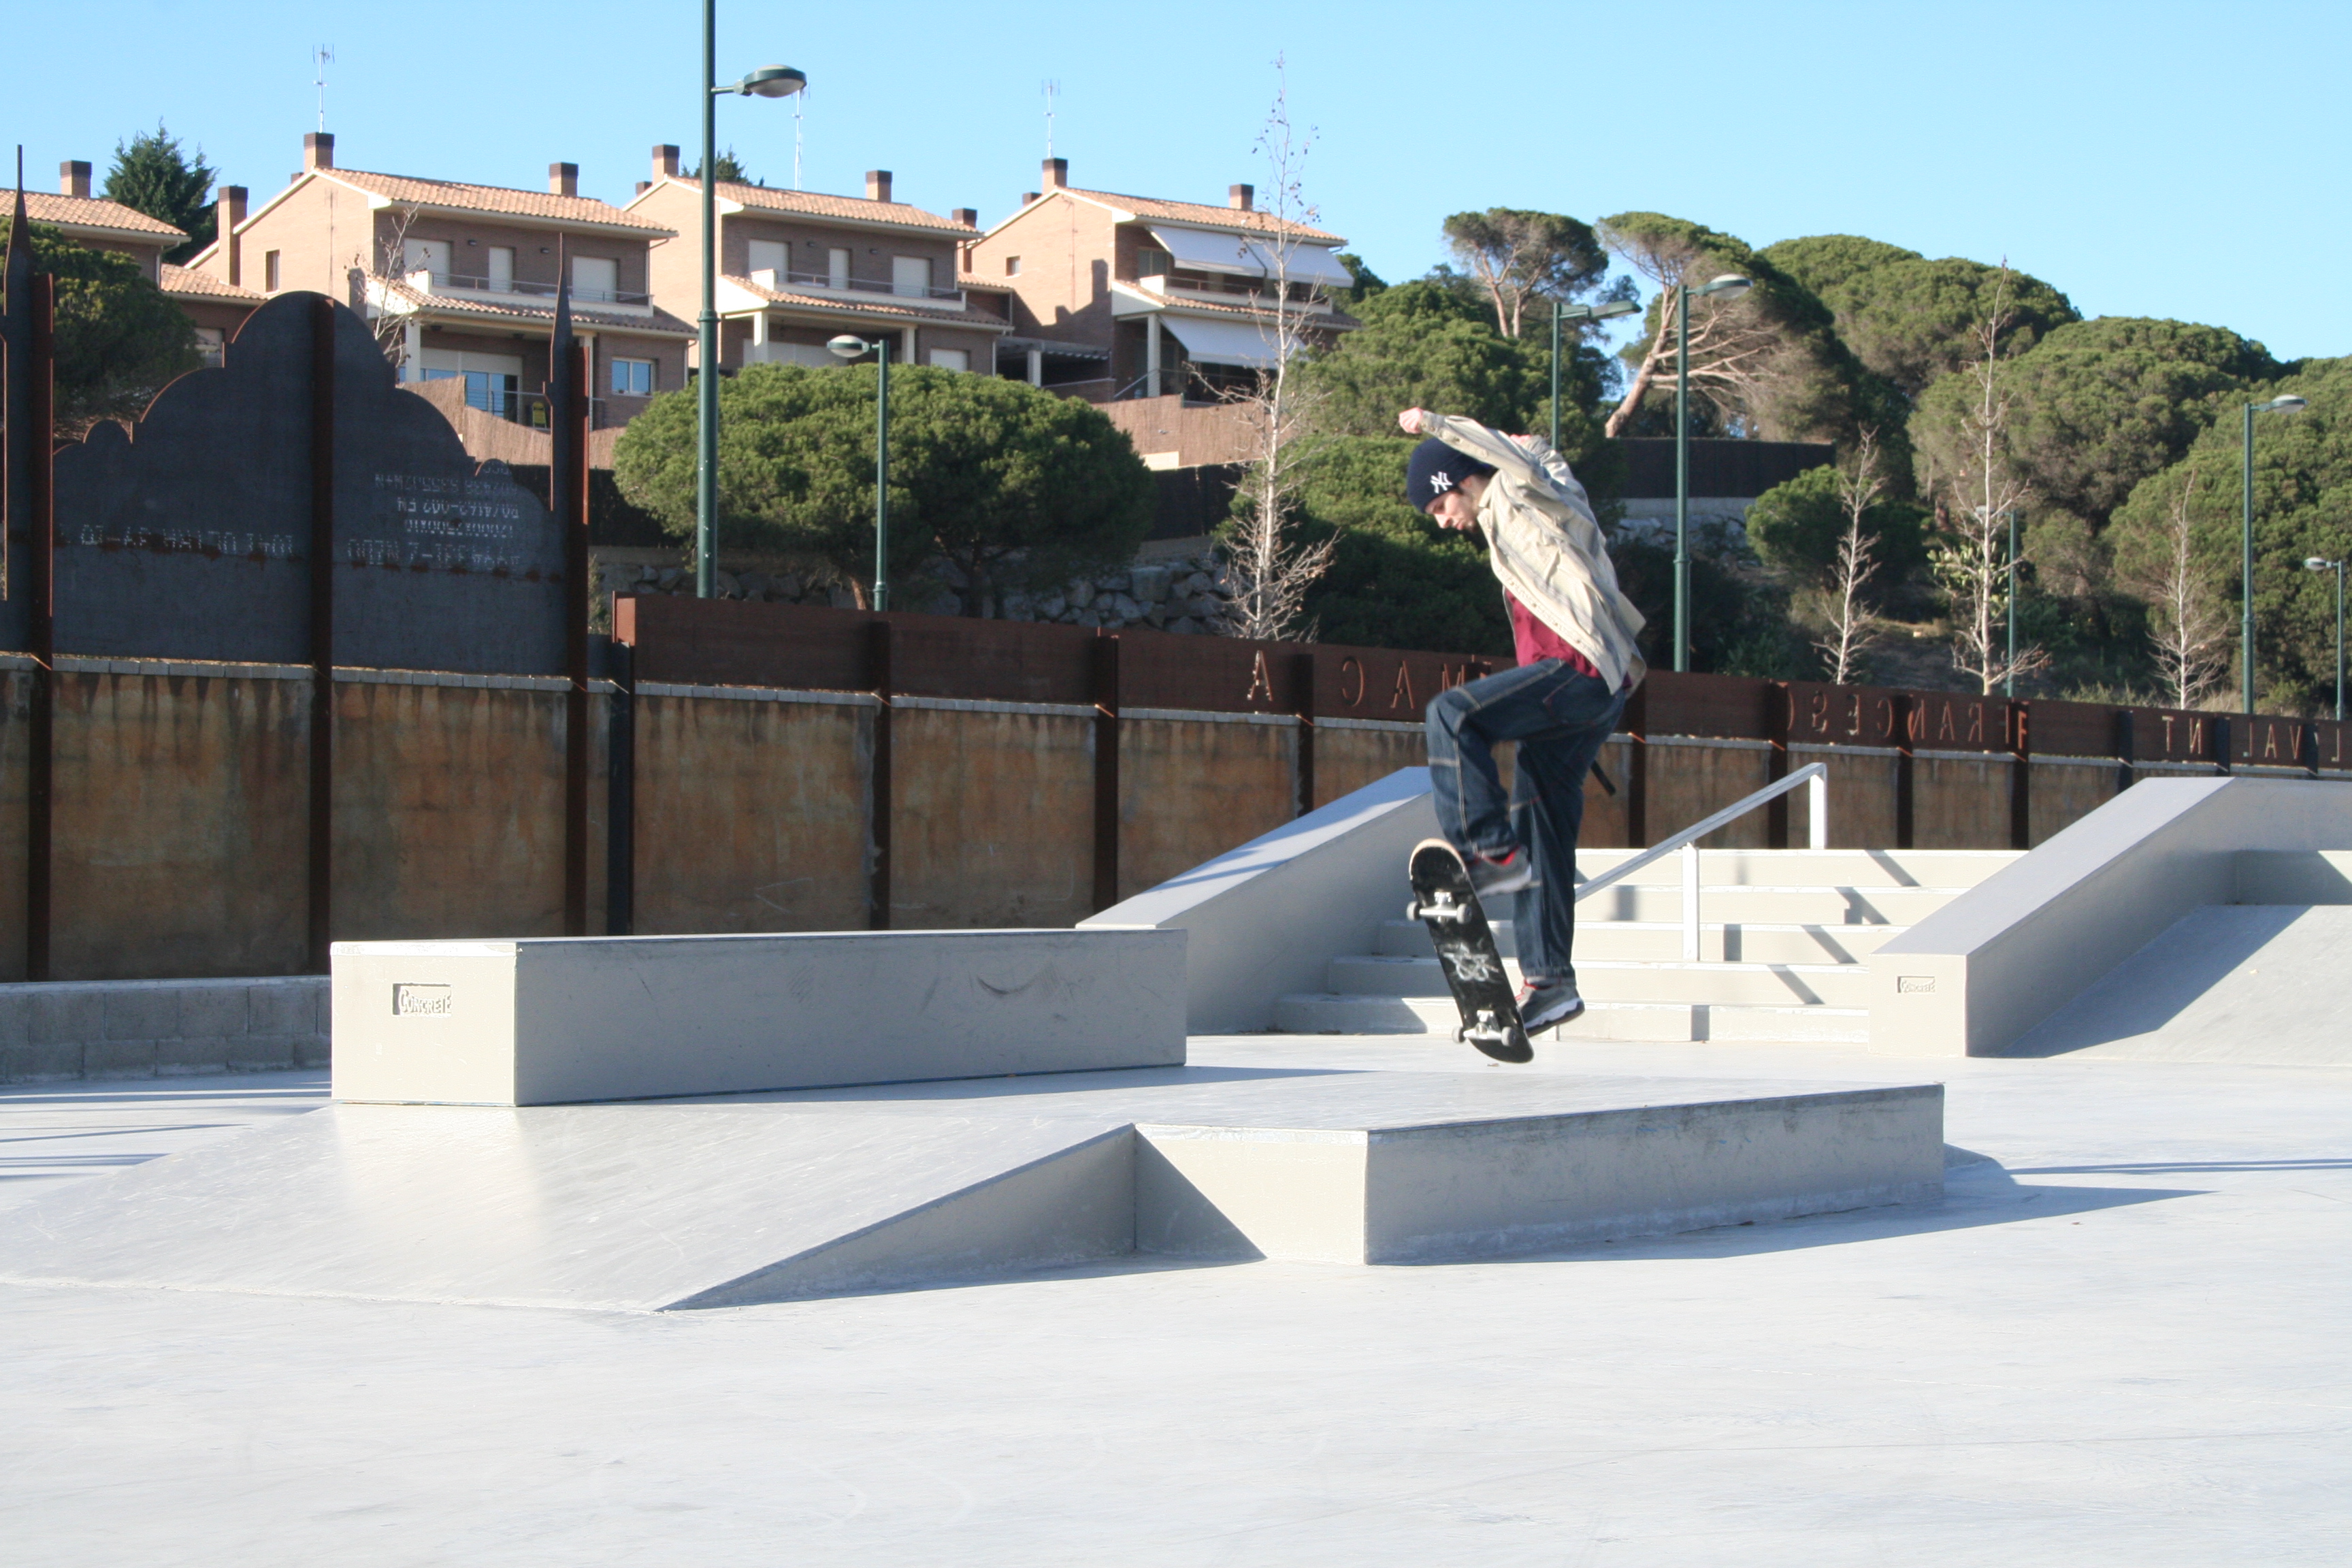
{"type": "Point", "coordinates": [1684, 295]}
{"type": "Point", "coordinates": [2321, 563]}
{"type": "Point", "coordinates": [2287, 405]}
{"type": "Point", "coordinates": [768, 81]}
{"type": "Point", "coordinates": [849, 347]}
{"type": "Point", "coordinates": [1559, 314]}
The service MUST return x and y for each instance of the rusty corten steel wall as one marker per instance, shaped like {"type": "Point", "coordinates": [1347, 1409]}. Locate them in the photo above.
{"type": "Point", "coordinates": [180, 826]}
{"type": "Point", "coordinates": [16, 699]}
{"type": "Point", "coordinates": [1166, 819]}
{"type": "Point", "coordinates": [751, 816]}
{"type": "Point", "coordinates": [993, 822]}
{"type": "Point", "coordinates": [448, 812]}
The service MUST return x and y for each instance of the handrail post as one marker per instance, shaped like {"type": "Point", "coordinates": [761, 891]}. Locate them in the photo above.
{"type": "Point", "coordinates": [1817, 806]}
{"type": "Point", "coordinates": [1690, 902]}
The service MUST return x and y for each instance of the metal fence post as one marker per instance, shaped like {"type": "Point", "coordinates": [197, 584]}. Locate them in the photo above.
{"type": "Point", "coordinates": [1817, 808]}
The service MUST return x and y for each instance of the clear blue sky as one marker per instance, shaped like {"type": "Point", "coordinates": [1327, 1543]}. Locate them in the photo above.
{"type": "Point", "coordinates": [2149, 159]}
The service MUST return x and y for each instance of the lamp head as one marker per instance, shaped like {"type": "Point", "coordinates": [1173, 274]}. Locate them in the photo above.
{"type": "Point", "coordinates": [2290, 403]}
{"type": "Point", "coordinates": [847, 347]}
{"type": "Point", "coordinates": [1730, 283]}
{"type": "Point", "coordinates": [771, 82]}
{"type": "Point", "coordinates": [1616, 308]}
{"type": "Point", "coordinates": [2321, 563]}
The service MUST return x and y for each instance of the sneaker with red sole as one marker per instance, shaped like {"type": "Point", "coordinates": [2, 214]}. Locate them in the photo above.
{"type": "Point", "coordinates": [1545, 1004]}
{"type": "Point", "coordinates": [1492, 875]}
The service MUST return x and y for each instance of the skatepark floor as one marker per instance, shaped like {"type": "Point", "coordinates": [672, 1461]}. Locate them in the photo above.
{"type": "Point", "coordinates": [2118, 1340]}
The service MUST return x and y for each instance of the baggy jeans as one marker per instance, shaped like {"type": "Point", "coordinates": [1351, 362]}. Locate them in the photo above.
{"type": "Point", "coordinates": [1561, 717]}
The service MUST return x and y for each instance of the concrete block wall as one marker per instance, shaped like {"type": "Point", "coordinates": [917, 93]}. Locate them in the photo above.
{"type": "Point", "coordinates": [156, 1029]}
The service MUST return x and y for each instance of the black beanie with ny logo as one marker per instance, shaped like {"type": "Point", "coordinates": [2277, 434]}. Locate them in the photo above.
{"type": "Point", "coordinates": [1435, 468]}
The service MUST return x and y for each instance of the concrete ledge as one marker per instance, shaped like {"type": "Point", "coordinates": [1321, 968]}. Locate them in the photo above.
{"type": "Point", "coordinates": [567, 1020]}
{"type": "Point", "coordinates": [63, 1030]}
{"type": "Point", "coordinates": [1971, 978]}
{"type": "Point", "coordinates": [1267, 919]}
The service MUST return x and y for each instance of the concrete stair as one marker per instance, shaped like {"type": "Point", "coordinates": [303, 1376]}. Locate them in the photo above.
{"type": "Point", "coordinates": [1783, 939]}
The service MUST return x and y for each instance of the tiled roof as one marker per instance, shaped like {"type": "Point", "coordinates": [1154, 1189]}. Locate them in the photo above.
{"type": "Point", "coordinates": [880, 305]}
{"type": "Point", "coordinates": [988, 285]}
{"type": "Point", "coordinates": [201, 285]}
{"type": "Point", "coordinates": [491, 199]}
{"type": "Point", "coordinates": [91, 212]}
{"type": "Point", "coordinates": [660, 324]}
{"type": "Point", "coordinates": [815, 203]}
{"type": "Point", "coordinates": [1201, 213]}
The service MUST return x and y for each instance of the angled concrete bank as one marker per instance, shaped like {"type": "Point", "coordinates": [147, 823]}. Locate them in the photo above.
{"type": "Point", "coordinates": [1975, 976]}
{"type": "Point", "coordinates": [721, 1202]}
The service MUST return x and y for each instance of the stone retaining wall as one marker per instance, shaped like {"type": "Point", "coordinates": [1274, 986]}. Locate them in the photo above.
{"type": "Point", "coordinates": [157, 1028]}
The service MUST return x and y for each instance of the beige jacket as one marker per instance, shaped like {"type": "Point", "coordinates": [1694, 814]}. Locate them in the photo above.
{"type": "Point", "coordinates": [1547, 548]}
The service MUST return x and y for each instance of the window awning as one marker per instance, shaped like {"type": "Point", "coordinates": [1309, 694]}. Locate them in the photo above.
{"type": "Point", "coordinates": [1224, 342]}
{"type": "Point", "coordinates": [1205, 251]}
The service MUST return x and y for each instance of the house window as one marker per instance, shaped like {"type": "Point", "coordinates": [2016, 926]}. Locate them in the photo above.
{"type": "Point", "coordinates": [502, 273]}
{"type": "Point", "coordinates": [1153, 263]}
{"type": "Point", "coordinates": [595, 278]}
{"type": "Point", "coordinates": [426, 256]}
{"type": "Point", "coordinates": [632, 378]}
{"type": "Point", "coordinates": [1013, 266]}
{"type": "Point", "coordinates": [770, 256]}
{"type": "Point", "coordinates": [208, 344]}
{"type": "Point", "coordinates": [910, 277]}
{"type": "Point", "coordinates": [951, 359]}
{"type": "Point", "coordinates": [269, 271]}
{"type": "Point", "coordinates": [836, 266]}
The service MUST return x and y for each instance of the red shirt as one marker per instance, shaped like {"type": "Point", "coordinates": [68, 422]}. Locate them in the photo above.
{"type": "Point", "coordinates": [1532, 640]}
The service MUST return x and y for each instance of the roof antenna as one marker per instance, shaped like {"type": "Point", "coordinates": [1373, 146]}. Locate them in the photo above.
{"type": "Point", "coordinates": [1051, 88]}
{"type": "Point", "coordinates": [321, 56]}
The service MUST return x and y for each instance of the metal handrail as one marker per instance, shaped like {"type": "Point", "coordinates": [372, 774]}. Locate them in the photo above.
{"type": "Point", "coordinates": [1814, 775]}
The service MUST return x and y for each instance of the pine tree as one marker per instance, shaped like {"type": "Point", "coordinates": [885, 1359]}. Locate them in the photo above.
{"type": "Point", "coordinates": [151, 174]}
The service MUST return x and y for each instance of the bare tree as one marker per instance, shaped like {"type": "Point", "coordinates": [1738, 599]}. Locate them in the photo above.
{"type": "Point", "coordinates": [1853, 628]}
{"type": "Point", "coordinates": [1732, 346]}
{"type": "Point", "coordinates": [2191, 633]}
{"type": "Point", "coordinates": [389, 264]}
{"type": "Point", "coordinates": [1268, 568]}
{"type": "Point", "coordinates": [1971, 557]}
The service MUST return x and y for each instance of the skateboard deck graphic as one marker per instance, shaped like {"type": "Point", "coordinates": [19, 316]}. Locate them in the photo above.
{"type": "Point", "coordinates": [1443, 900]}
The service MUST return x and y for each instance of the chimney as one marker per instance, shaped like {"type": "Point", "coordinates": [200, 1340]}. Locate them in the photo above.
{"type": "Point", "coordinates": [1238, 197]}
{"type": "Point", "coordinates": [1057, 173]}
{"type": "Point", "coordinates": [73, 178]}
{"type": "Point", "coordinates": [317, 150]}
{"type": "Point", "coordinates": [1028, 196]}
{"type": "Point", "coordinates": [644, 186]}
{"type": "Point", "coordinates": [229, 201]}
{"type": "Point", "coordinates": [968, 217]}
{"type": "Point", "coordinates": [563, 179]}
{"type": "Point", "coordinates": [877, 184]}
{"type": "Point", "coordinates": [665, 162]}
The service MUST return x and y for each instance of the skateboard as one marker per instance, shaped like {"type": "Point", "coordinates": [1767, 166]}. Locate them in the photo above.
{"type": "Point", "coordinates": [1443, 900]}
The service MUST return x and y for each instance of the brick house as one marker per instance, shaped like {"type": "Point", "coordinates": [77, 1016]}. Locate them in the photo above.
{"type": "Point", "coordinates": [1116, 296]}
{"type": "Point", "coordinates": [461, 279]}
{"type": "Point", "coordinates": [798, 268]}
{"type": "Point", "coordinates": [101, 225]}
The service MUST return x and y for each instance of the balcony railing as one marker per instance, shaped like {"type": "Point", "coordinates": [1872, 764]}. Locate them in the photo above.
{"type": "Point", "coordinates": [440, 281]}
{"type": "Point", "coordinates": [857, 285]}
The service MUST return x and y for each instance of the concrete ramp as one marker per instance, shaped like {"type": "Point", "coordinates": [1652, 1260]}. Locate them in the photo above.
{"type": "Point", "coordinates": [734, 1200]}
{"type": "Point", "coordinates": [2256, 983]}
{"type": "Point", "coordinates": [637, 1208]}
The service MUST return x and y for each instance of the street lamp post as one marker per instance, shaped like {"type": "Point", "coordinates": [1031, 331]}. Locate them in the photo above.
{"type": "Point", "coordinates": [1559, 314]}
{"type": "Point", "coordinates": [768, 81]}
{"type": "Point", "coordinates": [1684, 295]}
{"type": "Point", "coordinates": [849, 347]}
{"type": "Point", "coordinates": [2287, 405]}
{"type": "Point", "coordinates": [2321, 563]}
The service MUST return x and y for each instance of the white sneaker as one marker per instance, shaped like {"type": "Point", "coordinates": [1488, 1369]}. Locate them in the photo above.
{"type": "Point", "coordinates": [1490, 876]}
{"type": "Point", "coordinates": [1554, 1002]}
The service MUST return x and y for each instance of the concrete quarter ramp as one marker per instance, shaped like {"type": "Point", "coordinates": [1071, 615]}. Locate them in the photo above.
{"type": "Point", "coordinates": [2256, 983]}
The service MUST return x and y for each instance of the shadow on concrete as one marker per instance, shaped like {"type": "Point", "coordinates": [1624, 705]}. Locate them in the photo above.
{"type": "Point", "coordinates": [960, 1088]}
{"type": "Point", "coordinates": [2159, 1167]}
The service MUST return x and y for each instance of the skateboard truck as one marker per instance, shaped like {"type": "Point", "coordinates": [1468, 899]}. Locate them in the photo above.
{"type": "Point", "coordinates": [1487, 1029]}
{"type": "Point", "coordinates": [1443, 909]}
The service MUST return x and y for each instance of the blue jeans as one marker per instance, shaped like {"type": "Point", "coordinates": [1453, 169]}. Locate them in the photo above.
{"type": "Point", "coordinates": [1561, 717]}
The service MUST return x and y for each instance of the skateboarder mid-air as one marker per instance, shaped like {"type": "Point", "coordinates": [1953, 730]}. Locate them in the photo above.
{"type": "Point", "coordinates": [1573, 632]}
